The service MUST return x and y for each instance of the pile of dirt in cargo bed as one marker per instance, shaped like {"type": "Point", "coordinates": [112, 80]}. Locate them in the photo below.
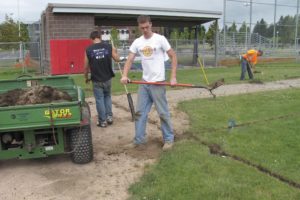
{"type": "Point", "coordinates": [33, 95]}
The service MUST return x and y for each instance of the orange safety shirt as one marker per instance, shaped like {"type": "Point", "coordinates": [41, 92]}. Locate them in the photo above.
{"type": "Point", "coordinates": [251, 56]}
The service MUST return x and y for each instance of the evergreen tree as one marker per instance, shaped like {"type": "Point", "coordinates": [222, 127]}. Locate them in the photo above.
{"type": "Point", "coordinates": [210, 35]}
{"type": "Point", "coordinates": [270, 31]}
{"type": "Point", "coordinates": [261, 28]}
{"type": "Point", "coordinates": [232, 28]}
{"type": "Point", "coordinates": [286, 29]}
{"type": "Point", "coordinates": [115, 36]}
{"type": "Point", "coordinates": [185, 34]}
{"type": "Point", "coordinates": [174, 34]}
{"type": "Point", "coordinates": [243, 28]}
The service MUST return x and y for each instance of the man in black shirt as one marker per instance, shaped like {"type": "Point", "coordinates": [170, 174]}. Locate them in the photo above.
{"type": "Point", "coordinates": [98, 60]}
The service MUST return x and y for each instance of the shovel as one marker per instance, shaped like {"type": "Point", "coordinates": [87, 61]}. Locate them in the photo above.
{"type": "Point", "coordinates": [128, 94]}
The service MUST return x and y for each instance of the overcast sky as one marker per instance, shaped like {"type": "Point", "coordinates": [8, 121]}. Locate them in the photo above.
{"type": "Point", "coordinates": [30, 10]}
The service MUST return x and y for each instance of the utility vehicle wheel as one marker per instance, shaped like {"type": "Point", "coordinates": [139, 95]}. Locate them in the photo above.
{"type": "Point", "coordinates": [81, 145]}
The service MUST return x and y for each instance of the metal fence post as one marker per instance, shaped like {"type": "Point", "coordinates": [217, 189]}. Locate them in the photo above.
{"type": "Point", "coordinates": [40, 57]}
{"type": "Point", "coordinates": [196, 48]}
{"type": "Point", "coordinates": [297, 21]}
{"type": "Point", "coordinates": [224, 23]}
{"type": "Point", "coordinates": [216, 43]}
{"type": "Point", "coordinates": [203, 51]}
{"type": "Point", "coordinates": [274, 29]}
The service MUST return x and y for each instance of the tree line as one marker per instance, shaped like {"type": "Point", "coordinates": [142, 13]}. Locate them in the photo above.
{"type": "Point", "coordinates": [9, 31]}
{"type": "Point", "coordinates": [284, 32]}
{"type": "Point", "coordinates": [285, 29]}
{"type": "Point", "coordinates": [188, 33]}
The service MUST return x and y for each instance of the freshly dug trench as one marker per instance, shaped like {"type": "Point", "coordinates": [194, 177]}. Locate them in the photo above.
{"type": "Point", "coordinates": [33, 95]}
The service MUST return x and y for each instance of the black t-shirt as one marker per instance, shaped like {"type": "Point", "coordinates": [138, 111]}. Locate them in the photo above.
{"type": "Point", "coordinates": [99, 56]}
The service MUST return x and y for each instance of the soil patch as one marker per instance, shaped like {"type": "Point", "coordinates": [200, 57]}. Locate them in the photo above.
{"type": "Point", "coordinates": [33, 95]}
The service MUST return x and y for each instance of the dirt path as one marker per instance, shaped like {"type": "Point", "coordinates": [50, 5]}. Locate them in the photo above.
{"type": "Point", "coordinates": [114, 167]}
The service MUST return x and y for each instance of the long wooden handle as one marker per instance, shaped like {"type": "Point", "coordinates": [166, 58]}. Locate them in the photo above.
{"type": "Point", "coordinates": [162, 83]}
{"type": "Point", "coordinates": [209, 88]}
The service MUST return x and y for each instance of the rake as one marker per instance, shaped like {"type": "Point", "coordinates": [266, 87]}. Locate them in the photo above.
{"type": "Point", "coordinates": [210, 87]}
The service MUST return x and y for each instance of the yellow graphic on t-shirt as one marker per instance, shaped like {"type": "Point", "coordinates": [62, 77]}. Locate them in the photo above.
{"type": "Point", "coordinates": [147, 51]}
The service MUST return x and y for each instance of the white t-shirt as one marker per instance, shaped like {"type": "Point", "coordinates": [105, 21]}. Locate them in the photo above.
{"type": "Point", "coordinates": [153, 54]}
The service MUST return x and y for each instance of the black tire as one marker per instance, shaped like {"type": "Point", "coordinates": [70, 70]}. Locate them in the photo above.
{"type": "Point", "coordinates": [86, 112]}
{"type": "Point", "coordinates": [81, 145]}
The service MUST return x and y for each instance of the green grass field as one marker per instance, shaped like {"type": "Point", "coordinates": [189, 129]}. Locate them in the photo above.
{"type": "Point", "coordinates": [191, 172]}
{"type": "Point", "coordinates": [271, 72]}
{"type": "Point", "coordinates": [13, 73]}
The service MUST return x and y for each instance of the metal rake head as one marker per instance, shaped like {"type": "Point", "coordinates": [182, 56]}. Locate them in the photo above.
{"type": "Point", "coordinates": [215, 85]}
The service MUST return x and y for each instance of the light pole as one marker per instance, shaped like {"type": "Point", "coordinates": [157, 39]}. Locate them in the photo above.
{"type": "Point", "coordinates": [19, 19]}
{"type": "Point", "coordinates": [250, 22]}
{"type": "Point", "coordinates": [277, 39]}
{"type": "Point", "coordinates": [19, 27]}
{"type": "Point", "coordinates": [297, 20]}
{"type": "Point", "coordinates": [246, 38]}
{"type": "Point", "coordinates": [274, 30]}
{"type": "Point", "coordinates": [224, 24]}
{"type": "Point", "coordinates": [20, 42]}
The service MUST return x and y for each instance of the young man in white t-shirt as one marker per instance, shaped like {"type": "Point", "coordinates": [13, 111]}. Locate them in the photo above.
{"type": "Point", "coordinates": [152, 48]}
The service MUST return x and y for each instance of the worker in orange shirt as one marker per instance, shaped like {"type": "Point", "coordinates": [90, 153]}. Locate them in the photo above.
{"type": "Point", "coordinates": [248, 62]}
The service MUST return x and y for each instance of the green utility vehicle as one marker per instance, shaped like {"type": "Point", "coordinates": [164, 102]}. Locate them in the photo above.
{"type": "Point", "coordinates": [41, 130]}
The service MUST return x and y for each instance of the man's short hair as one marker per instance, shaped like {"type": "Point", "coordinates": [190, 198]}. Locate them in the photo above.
{"type": "Point", "coordinates": [260, 52]}
{"type": "Point", "coordinates": [143, 19]}
{"type": "Point", "coordinates": [95, 34]}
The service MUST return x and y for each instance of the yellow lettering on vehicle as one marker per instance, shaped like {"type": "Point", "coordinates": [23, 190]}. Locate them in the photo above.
{"type": "Point", "coordinates": [62, 113]}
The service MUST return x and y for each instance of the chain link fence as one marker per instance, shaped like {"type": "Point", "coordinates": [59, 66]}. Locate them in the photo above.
{"type": "Point", "coordinates": [228, 52]}
{"type": "Point", "coordinates": [234, 44]}
{"type": "Point", "coordinates": [27, 55]}
{"type": "Point", "coordinates": [185, 51]}
{"type": "Point", "coordinates": [22, 55]}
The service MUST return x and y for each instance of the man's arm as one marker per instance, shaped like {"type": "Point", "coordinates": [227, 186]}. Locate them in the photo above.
{"type": "Point", "coordinates": [171, 53]}
{"type": "Point", "coordinates": [127, 67]}
{"type": "Point", "coordinates": [252, 59]}
{"type": "Point", "coordinates": [115, 55]}
{"type": "Point", "coordinates": [86, 68]}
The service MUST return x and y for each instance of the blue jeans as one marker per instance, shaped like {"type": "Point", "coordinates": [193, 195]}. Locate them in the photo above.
{"type": "Point", "coordinates": [246, 67]}
{"type": "Point", "coordinates": [147, 95]}
{"type": "Point", "coordinates": [102, 93]}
